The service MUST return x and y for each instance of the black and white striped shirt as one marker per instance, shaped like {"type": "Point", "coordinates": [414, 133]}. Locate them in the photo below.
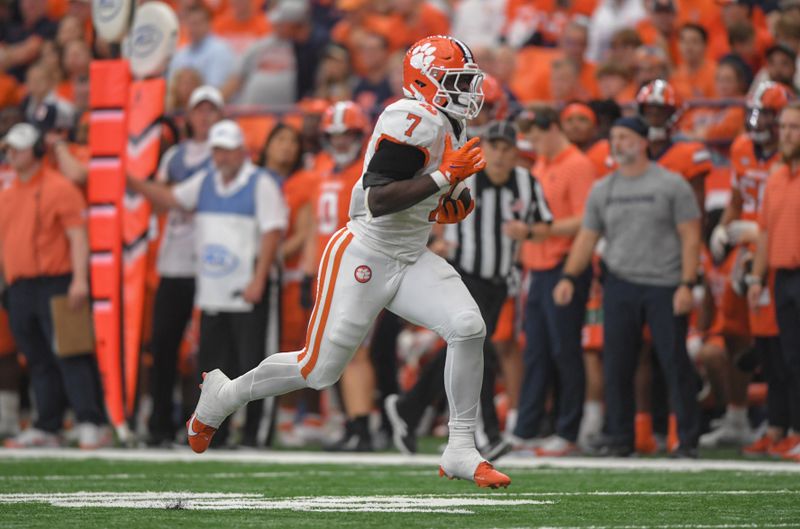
{"type": "Point", "coordinates": [481, 248]}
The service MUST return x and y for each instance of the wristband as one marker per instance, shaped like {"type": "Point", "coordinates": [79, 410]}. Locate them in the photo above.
{"type": "Point", "coordinates": [752, 279]}
{"type": "Point", "coordinates": [569, 277]}
{"type": "Point", "coordinates": [689, 283]}
{"type": "Point", "coordinates": [440, 179]}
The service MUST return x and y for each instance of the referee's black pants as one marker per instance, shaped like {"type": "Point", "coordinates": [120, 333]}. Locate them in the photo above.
{"type": "Point", "coordinates": [553, 346]}
{"type": "Point", "coordinates": [626, 308]}
{"type": "Point", "coordinates": [490, 296]}
{"type": "Point", "coordinates": [56, 381]}
{"type": "Point", "coordinates": [172, 311]}
{"type": "Point", "coordinates": [235, 342]}
{"type": "Point", "coordinates": [787, 309]}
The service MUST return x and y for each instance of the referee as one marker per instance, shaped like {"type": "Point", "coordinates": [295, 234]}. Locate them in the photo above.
{"type": "Point", "coordinates": [485, 258]}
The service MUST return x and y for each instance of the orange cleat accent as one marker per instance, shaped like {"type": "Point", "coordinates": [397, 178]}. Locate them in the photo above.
{"type": "Point", "coordinates": [758, 448]}
{"type": "Point", "coordinates": [485, 477]}
{"type": "Point", "coordinates": [781, 448]}
{"type": "Point", "coordinates": [199, 434]}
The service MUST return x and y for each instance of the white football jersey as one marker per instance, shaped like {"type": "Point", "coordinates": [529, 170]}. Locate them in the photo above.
{"type": "Point", "coordinates": [404, 234]}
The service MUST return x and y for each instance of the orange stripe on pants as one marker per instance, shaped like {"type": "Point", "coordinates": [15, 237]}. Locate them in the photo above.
{"type": "Point", "coordinates": [320, 284]}
{"type": "Point", "coordinates": [337, 261]}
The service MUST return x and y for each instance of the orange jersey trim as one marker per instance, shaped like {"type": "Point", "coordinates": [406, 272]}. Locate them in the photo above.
{"type": "Point", "coordinates": [331, 287]}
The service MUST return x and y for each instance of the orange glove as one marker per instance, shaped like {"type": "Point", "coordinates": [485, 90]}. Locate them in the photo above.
{"type": "Point", "coordinates": [451, 211]}
{"type": "Point", "coordinates": [458, 164]}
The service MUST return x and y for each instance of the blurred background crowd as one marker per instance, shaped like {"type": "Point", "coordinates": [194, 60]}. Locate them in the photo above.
{"type": "Point", "coordinates": [293, 87]}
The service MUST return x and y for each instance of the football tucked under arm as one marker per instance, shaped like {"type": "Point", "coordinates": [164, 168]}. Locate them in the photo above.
{"type": "Point", "coordinates": [454, 206]}
{"type": "Point", "coordinates": [460, 192]}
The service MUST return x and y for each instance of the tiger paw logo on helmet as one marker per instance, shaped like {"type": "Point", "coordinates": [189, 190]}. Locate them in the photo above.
{"type": "Point", "coordinates": [422, 56]}
{"type": "Point", "coordinates": [441, 71]}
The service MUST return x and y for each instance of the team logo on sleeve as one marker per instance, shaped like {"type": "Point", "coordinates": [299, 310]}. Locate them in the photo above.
{"type": "Point", "coordinates": [363, 274]}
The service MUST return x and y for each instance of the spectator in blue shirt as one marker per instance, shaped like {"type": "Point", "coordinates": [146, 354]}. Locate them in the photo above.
{"type": "Point", "coordinates": [208, 54]}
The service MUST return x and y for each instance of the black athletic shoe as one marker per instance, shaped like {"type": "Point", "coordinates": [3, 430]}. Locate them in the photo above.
{"type": "Point", "coordinates": [684, 452]}
{"type": "Point", "coordinates": [496, 449]}
{"type": "Point", "coordinates": [353, 440]}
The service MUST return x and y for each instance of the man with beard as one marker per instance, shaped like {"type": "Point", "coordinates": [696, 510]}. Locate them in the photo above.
{"type": "Point", "coordinates": [778, 248]}
{"type": "Point", "coordinates": [651, 225]}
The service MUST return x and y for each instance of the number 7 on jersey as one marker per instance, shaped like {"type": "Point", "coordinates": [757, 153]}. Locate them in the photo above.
{"type": "Point", "coordinates": [415, 119]}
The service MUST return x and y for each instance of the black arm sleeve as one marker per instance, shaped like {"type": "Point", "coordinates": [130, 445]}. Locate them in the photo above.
{"type": "Point", "coordinates": [392, 162]}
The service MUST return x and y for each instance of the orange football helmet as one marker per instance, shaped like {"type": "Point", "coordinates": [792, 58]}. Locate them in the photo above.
{"type": "Point", "coordinates": [494, 95]}
{"type": "Point", "coordinates": [763, 107]}
{"type": "Point", "coordinates": [344, 116]}
{"type": "Point", "coordinates": [441, 71]}
{"type": "Point", "coordinates": [338, 120]}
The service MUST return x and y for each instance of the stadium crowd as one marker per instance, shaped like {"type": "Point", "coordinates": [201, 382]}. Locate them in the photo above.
{"type": "Point", "coordinates": [643, 312]}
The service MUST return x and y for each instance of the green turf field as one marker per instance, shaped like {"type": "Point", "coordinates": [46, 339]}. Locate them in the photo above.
{"type": "Point", "coordinates": [90, 493]}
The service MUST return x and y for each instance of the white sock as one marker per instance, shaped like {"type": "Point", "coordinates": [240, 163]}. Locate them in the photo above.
{"type": "Point", "coordinates": [463, 376]}
{"type": "Point", "coordinates": [592, 417]}
{"type": "Point", "coordinates": [511, 420]}
{"type": "Point", "coordinates": [9, 412]}
{"type": "Point", "coordinates": [275, 375]}
{"type": "Point", "coordinates": [736, 414]}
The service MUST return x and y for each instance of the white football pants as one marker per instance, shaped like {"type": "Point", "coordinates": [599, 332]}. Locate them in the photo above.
{"type": "Point", "coordinates": [354, 284]}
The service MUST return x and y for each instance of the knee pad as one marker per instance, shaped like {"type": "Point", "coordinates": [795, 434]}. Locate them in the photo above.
{"type": "Point", "coordinates": [467, 325]}
{"type": "Point", "coordinates": [320, 379]}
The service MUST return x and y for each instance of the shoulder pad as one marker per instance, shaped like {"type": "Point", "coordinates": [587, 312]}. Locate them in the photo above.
{"type": "Point", "coordinates": [412, 122]}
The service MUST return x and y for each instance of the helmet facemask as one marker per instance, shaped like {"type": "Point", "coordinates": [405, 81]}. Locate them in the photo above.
{"type": "Point", "coordinates": [761, 125]}
{"type": "Point", "coordinates": [344, 147]}
{"type": "Point", "coordinates": [459, 91]}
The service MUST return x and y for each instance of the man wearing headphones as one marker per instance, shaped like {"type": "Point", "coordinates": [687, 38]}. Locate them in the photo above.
{"type": "Point", "coordinates": [45, 253]}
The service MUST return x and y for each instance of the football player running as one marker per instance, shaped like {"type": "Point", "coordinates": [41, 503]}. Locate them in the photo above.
{"type": "Point", "coordinates": [414, 166]}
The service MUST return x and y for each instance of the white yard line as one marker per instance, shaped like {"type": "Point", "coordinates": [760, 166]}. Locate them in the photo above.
{"type": "Point", "coordinates": [228, 501]}
{"type": "Point", "coordinates": [282, 457]}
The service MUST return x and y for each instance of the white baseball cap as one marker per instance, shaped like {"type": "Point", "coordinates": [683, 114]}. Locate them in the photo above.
{"type": "Point", "coordinates": [226, 134]}
{"type": "Point", "coordinates": [289, 11]}
{"type": "Point", "coordinates": [206, 93]}
{"type": "Point", "coordinates": [21, 136]}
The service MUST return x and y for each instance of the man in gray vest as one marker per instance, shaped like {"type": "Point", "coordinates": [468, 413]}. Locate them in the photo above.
{"type": "Point", "coordinates": [240, 218]}
{"type": "Point", "coordinates": [651, 224]}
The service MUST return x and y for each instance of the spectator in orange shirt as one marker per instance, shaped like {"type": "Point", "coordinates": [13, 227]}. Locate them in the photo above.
{"type": "Point", "coordinates": [651, 64]}
{"type": "Point", "coordinates": [535, 64]}
{"type": "Point", "coordinates": [554, 333]}
{"type": "Point", "coordinates": [742, 41]}
{"type": "Point", "coordinates": [241, 25]}
{"type": "Point", "coordinates": [660, 28]}
{"type": "Point", "coordinates": [45, 253]}
{"type": "Point", "coordinates": [738, 13]}
{"type": "Point", "coordinates": [75, 59]}
{"type": "Point", "coordinates": [622, 49]}
{"type": "Point", "coordinates": [778, 248]}
{"type": "Point", "coordinates": [417, 19]}
{"type": "Point", "coordinates": [565, 83]}
{"type": "Point", "coordinates": [616, 83]}
{"type": "Point", "coordinates": [782, 65]}
{"type": "Point", "coordinates": [694, 77]}
{"type": "Point", "coordinates": [579, 123]}
{"type": "Point", "coordinates": [721, 123]}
